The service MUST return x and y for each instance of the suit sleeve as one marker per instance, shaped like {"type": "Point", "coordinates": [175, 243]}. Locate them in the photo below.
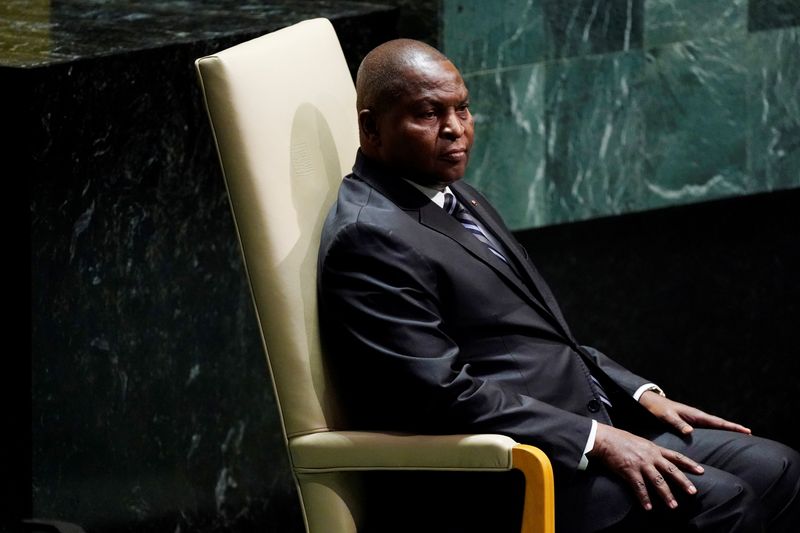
{"type": "Point", "coordinates": [379, 301]}
{"type": "Point", "coordinates": [621, 375]}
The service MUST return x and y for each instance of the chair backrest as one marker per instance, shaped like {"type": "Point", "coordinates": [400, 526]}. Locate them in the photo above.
{"type": "Point", "coordinates": [282, 109]}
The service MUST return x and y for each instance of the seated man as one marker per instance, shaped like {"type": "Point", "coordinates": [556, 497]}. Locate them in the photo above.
{"type": "Point", "coordinates": [435, 320]}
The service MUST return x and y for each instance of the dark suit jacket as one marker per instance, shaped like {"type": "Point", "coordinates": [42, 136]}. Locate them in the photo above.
{"type": "Point", "coordinates": [428, 331]}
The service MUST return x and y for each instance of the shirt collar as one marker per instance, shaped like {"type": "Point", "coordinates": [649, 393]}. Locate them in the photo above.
{"type": "Point", "coordinates": [435, 195]}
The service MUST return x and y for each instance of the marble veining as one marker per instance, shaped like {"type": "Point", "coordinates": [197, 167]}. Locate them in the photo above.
{"type": "Point", "coordinates": [594, 131]}
{"type": "Point", "coordinates": [695, 108]}
{"type": "Point", "coordinates": [667, 21]}
{"type": "Point", "coordinates": [580, 27]}
{"type": "Point", "coordinates": [484, 37]}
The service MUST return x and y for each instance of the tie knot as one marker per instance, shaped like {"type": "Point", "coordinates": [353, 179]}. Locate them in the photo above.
{"type": "Point", "coordinates": [451, 204]}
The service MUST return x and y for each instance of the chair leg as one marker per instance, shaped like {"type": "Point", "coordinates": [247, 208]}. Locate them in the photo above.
{"type": "Point", "coordinates": [538, 514]}
{"type": "Point", "coordinates": [330, 502]}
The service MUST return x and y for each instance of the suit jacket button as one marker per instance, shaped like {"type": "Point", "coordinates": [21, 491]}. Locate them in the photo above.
{"type": "Point", "coordinates": [593, 406]}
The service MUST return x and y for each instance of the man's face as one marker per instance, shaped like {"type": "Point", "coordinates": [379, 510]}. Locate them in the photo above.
{"type": "Point", "coordinates": [428, 132]}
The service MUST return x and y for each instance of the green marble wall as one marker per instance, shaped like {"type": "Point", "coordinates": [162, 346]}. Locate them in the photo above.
{"type": "Point", "coordinates": [588, 108]}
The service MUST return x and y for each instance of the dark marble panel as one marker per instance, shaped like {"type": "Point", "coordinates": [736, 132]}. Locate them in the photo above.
{"type": "Point", "coordinates": [581, 27]}
{"type": "Point", "coordinates": [669, 21]}
{"type": "Point", "coordinates": [701, 298]}
{"type": "Point", "coordinates": [771, 14]}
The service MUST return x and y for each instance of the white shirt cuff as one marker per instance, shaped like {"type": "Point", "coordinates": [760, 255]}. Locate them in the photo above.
{"type": "Point", "coordinates": [646, 387]}
{"type": "Point", "coordinates": [584, 462]}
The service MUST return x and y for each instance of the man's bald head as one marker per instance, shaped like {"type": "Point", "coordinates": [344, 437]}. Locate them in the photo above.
{"type": "Point", "coordinates": [383, 74]}
{"type": "Point", "coordinates": [413, 112]}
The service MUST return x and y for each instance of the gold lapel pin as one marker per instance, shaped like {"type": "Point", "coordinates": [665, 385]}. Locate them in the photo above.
{"type": "Point", "coordinates": [473, 202]}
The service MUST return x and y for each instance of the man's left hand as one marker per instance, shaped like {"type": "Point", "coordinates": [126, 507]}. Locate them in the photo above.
{"type": "Point", "coordinates": [684, 417]}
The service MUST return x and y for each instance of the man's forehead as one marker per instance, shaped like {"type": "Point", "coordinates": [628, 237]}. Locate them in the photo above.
{"type": "Point", "coordinates": [433, 75]}
{"type": "Point", "coordinates": [437, 93]}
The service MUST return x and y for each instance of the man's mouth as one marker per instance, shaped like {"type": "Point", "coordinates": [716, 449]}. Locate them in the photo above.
{"type": "Point", "coordinates": [454, 155]}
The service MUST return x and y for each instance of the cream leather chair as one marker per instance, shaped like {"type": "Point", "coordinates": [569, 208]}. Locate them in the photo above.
{"type": "Point", "coordinates": [282, 110]}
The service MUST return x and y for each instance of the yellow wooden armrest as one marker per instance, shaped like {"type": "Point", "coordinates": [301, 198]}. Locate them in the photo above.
{"type": "Point", "coordinates": [538, 515]}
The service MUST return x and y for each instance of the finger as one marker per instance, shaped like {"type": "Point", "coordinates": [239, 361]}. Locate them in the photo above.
{"type": "Point", "coordinates": [661, 486]}
{"type": "Point", "coordinates": [640, 489]}
{"type": "Point", "coordinates": [679, 424]}
{"type": "Point", "coordinates": [682, 461]}
{"type": "Point", "coordinates": [675, 474]}
{"type": "Point", "coordinates": [731, 426]}
{"type": "Point", "coordinates": [735, 427]}
{"type": "Point", "coordinates": [711, 421]}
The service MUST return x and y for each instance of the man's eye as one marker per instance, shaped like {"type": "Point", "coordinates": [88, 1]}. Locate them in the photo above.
{"type": "Point", "coordinates": [428, 114]}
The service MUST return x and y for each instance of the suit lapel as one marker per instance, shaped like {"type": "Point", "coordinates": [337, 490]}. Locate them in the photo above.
{"type": "Point", "coordinates": [437, 219]}
{"type": "Point", "coordinates": [489, 218]}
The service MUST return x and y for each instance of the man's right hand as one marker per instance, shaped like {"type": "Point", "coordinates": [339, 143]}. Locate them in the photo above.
{"type": "Point", "coordinates": [644, 464]}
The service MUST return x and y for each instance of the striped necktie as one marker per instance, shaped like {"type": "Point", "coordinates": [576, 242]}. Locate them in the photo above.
{"type": "Point", "coordinates": [454, 208]}
{"type": "Point", "coordinates": [600, 392]}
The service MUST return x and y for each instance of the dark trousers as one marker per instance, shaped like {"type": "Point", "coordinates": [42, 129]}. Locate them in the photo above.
{"type": "Point", "coordinates": [750, 485]}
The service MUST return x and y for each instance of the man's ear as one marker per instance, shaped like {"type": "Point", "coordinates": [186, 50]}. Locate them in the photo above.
{"type": "Point", "coordinates": [368, 127]}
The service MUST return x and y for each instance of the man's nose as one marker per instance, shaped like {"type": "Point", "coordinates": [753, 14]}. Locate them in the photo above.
{"type": "Point", "coordinates": [453, 127]}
